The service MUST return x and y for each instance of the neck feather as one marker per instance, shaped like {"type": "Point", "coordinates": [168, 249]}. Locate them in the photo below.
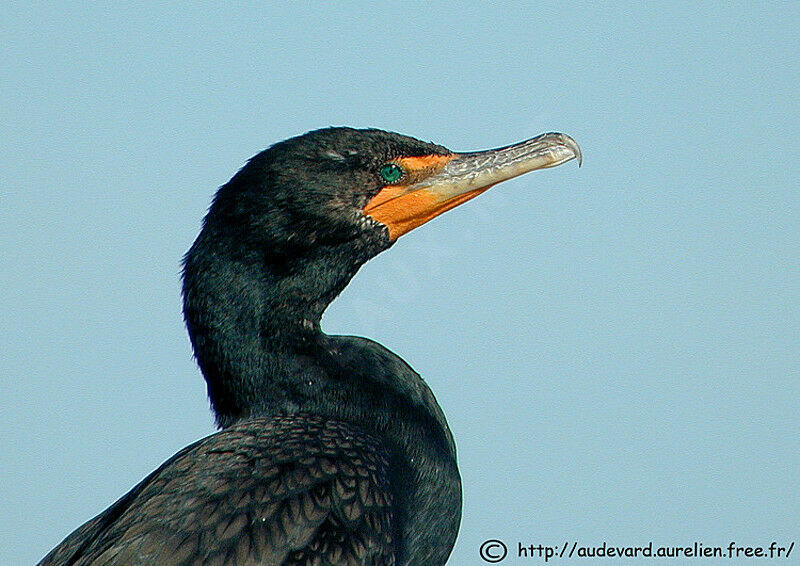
{"type": "Point", "coordinates": [254, 319]}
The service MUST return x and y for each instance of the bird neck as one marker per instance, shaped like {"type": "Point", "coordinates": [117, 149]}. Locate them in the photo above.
{"type": "Point", "coordinates": [253, 317]}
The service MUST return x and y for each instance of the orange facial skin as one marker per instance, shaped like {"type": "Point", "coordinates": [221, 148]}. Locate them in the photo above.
{"type": "Point", "coordinates": [401, 209]}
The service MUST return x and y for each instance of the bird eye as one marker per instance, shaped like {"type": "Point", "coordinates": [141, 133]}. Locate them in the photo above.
{"type": "Point", "coordinates": [391, 172]}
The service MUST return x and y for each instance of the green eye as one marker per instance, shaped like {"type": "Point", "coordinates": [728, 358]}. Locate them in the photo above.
{"type": "Point", "coordinates": [391, 172]}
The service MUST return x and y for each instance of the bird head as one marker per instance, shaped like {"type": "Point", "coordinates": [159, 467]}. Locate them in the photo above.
{"type": "Point", "coordinates": [366, 186]}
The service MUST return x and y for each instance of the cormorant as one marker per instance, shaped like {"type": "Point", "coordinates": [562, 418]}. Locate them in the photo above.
{"type": "Point", "coordinates": [332, 449]}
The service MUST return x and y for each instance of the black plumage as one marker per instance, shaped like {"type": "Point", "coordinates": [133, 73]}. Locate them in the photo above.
{"type": "Point", "coordinates": [332, 449]}
{"type": "Point", "coordinates": [280, 490]}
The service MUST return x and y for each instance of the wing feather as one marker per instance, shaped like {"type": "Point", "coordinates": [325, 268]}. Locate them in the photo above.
{"type": "Point", "coordinates": [281, 491]}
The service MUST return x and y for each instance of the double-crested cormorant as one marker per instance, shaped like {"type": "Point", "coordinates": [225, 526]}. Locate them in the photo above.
{"type": "Point", "coordinates": [332, 449]}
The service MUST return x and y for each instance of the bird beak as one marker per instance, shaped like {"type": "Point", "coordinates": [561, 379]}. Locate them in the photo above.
{"type": "Point", "coordinates": [434, 184]}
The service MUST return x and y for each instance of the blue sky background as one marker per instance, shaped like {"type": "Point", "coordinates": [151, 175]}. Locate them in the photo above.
{"type": "Point", "coordinates": [616, 347]}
